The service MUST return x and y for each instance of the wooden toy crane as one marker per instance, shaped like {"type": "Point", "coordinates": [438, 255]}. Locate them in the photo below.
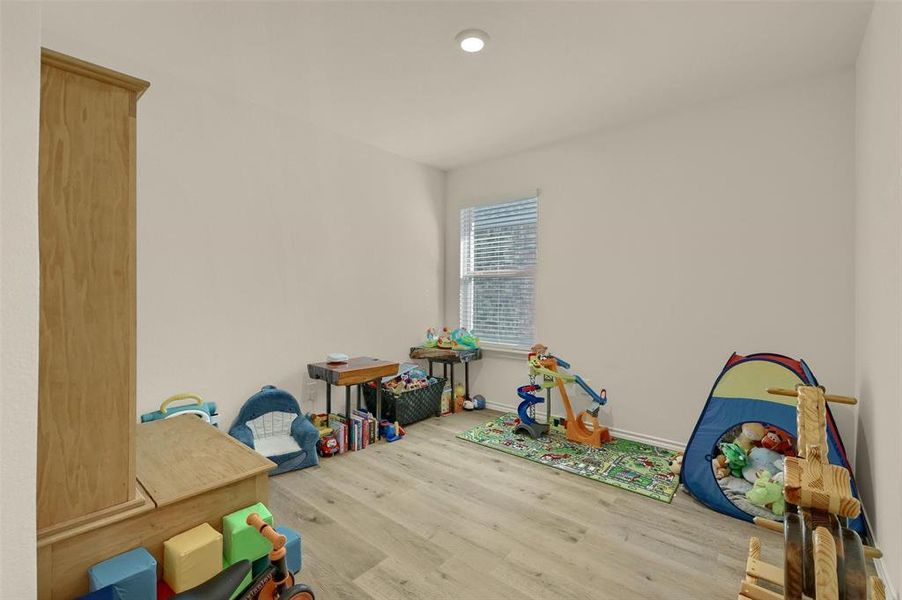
{"type": "Point", "coordinates": [823, 559]}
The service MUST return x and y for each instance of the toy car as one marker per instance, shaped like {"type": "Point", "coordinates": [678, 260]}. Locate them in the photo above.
{"type": "Point", "coordinates": [327, 445]}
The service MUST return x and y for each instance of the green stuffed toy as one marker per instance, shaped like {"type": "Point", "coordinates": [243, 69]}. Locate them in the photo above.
{"type": "Point", "coordinates": [736, 458]}
{"type": "Point", "coordinates": [766, 493]}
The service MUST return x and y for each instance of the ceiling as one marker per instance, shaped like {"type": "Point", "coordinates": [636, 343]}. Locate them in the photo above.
{"type": "Point", "coordinates": [390, 74]}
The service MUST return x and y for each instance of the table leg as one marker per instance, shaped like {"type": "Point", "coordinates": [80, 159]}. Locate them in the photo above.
{"type": "Point", "coordinates": [467, 380]}
{"type": "Point", "coordinates": [348, 402]}
{"type": "Point", "coordinates": [453, 396]}
{"type": "Point", "coordinates": [445, 370]}
{"type": "Point", "coordinates": [359, 391]}
{"type": "Point", "coordinates": [328, 398]}
{"type": "Point", "coordinates": [379, 403]}
{"type": "Point", "coordinates": [430, 368]}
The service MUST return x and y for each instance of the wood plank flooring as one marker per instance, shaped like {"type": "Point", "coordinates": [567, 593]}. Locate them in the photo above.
{"type": "Point", "coordinates": [434, 517]}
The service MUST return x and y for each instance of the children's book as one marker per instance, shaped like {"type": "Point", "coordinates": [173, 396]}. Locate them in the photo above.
{"type": "Point", "coordinates": [339, 425]}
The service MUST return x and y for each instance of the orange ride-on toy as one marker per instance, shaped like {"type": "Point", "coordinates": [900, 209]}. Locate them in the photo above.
{"type": "Point", "coordinates": [583, 428]}
{"type": "Point", "coordinates": [275, 582]}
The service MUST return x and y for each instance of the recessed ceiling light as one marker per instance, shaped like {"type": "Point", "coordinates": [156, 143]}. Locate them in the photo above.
{"type": "Point", "coordinates": [472, 40]}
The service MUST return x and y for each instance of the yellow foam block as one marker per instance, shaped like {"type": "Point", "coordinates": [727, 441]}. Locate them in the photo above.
{"type": "Point", "coordinates": [192, 557]}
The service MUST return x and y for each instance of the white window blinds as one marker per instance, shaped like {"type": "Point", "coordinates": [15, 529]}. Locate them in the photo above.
{"type": "Point", "coordinates": [498, 257]}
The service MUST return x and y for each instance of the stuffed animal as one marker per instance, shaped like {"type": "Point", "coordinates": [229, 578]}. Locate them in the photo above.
{"type": "Point", "coordinates": [719, 466]}
{"type": "Point", "coordinates": [750, 436]}
{"type": "Point", "coordinates": [736, 458]}
{"type": "Point", "coordinates": [761, 459]}
{"type": "Point", "coordinates": [676, 464]}
{"type": "Point", "coordinates": [767, 494]}
{"type": "Point", "coordinates": [777, 440]}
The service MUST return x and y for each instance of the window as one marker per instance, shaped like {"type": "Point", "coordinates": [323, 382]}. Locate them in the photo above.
{"type": "Point", "coordinates": [498, 254]}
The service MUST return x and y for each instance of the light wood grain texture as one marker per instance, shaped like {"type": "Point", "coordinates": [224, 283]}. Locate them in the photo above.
{"type": "Point", "coordinates": [357, 370]}
{"type": "Point", "coordinates": [86, 395]}
{"type": "Point", "coordinates": [752, 591]}
{"type": "Point", "coordinates": [92, 71]}
{"type": "Point", "coordinates": [446, 354]}
{"type": "Point", "coordinates": [777, 527]}
{"type": "Point", "coordinates": [828, 397]}
{"type": "Point", "coordinates": [825, 580]}
{"type": "Point", "coordinates": [877, 589]}
{"type": "Point", "coordinates": [196, 474]}
{"type": "Point", "coordinates": [436, 517]}
{"type": "Point", "coordinates": [73, 557]}
{"type": "Point", "coordinates": [138, 504]}
{"type": "Point", "coordinates": [183, 457]}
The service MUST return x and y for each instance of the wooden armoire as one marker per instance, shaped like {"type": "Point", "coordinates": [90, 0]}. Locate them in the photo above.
{"type": "Point", "coordinates": [86, 214]}
{"type": "Point", "coordinates": [107, 485]}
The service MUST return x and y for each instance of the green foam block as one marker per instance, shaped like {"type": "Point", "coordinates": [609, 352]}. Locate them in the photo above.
{"type": "Point", "coordinates": [239, 540]}
{"type": "Point", "coordinates": [246, 582]}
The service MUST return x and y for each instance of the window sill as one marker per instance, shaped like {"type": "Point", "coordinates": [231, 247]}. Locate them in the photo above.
{"type": "Point", "coordinates": [502, 351]}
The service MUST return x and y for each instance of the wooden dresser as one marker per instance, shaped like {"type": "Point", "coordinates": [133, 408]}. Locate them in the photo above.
{"type": "Point", "coordinates": [105, 484]}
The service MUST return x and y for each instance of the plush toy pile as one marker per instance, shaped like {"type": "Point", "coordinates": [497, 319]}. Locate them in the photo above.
{"type": "Point", "coordinates": [413, 379]}
{"type": "Point", "coordinates": [748, 465]}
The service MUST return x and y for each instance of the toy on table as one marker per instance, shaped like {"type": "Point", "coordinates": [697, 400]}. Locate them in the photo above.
{"type": "Point", "coordinates": [461, 339]}
{"type": "Point", "coordinates": [431, 340]}
{"type": "Point", "coordinates": [582, 428]}
{"type": "Point", "coordinates": [391, 432]}
{"type": "Point", "coordinates": [444, 340]}
{"type": "Point", "coordinates": [206, 411]}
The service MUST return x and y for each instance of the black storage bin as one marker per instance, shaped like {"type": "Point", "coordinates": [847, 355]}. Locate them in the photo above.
{"type": "Point", "coordinates": [411, 406]}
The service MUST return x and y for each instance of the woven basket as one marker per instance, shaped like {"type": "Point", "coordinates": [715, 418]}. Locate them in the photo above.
{"type": "Point", "coordinates": [411, 406]}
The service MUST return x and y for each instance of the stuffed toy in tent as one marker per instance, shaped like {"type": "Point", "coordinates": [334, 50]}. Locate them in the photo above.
{"type": "Point", "coordinates": [271, 423]}
{"type": "Point", "coordinates": [736, 450]}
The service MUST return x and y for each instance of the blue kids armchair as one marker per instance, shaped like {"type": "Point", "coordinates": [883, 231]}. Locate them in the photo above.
{"type": "Point", "coordinates": [271, 423]}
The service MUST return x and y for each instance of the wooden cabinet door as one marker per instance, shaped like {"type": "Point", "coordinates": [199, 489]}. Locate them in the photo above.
{"type": "Point", "coordinates": [86, 390]}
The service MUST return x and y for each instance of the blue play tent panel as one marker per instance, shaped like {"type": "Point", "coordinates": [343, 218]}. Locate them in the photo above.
{"type": "Point", "coordinates": [738, 397]}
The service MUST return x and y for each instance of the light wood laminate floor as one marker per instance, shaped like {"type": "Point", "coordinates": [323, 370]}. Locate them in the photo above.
{"type": "Point", "coordinates": [436, 517]}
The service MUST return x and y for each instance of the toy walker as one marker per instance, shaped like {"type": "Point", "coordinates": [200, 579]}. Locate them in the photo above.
{"type": "Point", "coordinates": [583, 428]}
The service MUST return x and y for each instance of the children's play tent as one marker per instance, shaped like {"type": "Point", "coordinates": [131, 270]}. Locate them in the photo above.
{"type": "Point", "coordinates": [738, 397]}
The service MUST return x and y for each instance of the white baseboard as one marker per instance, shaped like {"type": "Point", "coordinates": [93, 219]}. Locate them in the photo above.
{"type": "Point", "coordinates": [880, 563]}
{"type": "Point", "coordinates": [880, 567]}
{"type": "Point", "coordinates": [620, 433]}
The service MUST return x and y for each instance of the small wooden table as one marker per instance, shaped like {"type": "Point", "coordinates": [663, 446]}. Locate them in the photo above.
{"type": "Point", "coordinates": [356, 371]}
{"type": "Point", "coordinates": [448, 358]}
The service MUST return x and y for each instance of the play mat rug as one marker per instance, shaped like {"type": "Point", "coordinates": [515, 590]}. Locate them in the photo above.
{"type": "Point", "coordinates": [629, 465]}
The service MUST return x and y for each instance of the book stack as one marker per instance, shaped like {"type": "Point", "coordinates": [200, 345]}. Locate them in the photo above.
{"type": "Point", "coordinates": [354, 433]}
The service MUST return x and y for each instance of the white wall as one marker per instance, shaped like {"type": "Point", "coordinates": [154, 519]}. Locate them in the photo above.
{"type": "Point", "coordinates": [264, 242]}
{"type": "Point", "coordinates": [665, 246]}
{"type": "Point", "coordinates": [878, 281]}
{"type": "Point", "coordinates": [20, 75]}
